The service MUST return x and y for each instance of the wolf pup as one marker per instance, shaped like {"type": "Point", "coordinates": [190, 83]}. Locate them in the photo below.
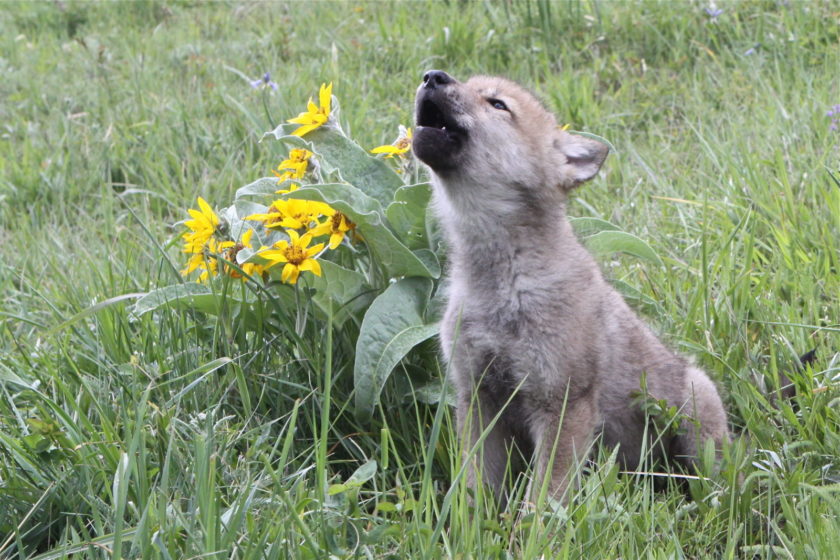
{"type": "Point", "coordinates": [545, 354]}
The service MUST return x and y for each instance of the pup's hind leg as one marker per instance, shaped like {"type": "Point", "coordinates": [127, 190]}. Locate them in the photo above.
{"type": "Point", "coordinates": [708, 418]}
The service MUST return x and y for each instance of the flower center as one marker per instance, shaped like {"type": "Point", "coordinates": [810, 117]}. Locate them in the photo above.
{"type": "Point", "coordinates": [336, 222]}
{"type": "Point", "coordinates": [295, 254]}
{"type": "Point", "coordinates": [231, 252]}
{"type": "Point", "coordinates": [304, 218]}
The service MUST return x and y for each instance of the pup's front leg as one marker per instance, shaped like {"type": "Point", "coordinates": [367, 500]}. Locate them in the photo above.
{"type": "Point", "coordinates": [563, 438]}
{"type": "Point", "coordinates": [487, 441]}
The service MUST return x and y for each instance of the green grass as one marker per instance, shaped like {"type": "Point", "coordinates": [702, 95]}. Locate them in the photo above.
{"type": "Point", "coordinates": [178, 435]}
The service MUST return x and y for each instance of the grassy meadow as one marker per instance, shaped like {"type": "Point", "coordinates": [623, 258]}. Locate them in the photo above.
{"type": "Point", "coordinates": [176, 434]}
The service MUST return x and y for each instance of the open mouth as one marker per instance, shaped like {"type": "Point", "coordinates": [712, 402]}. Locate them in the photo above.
{"type": "Point", "coordinates": [429, 114]}
{"type": "Point", "coordinates": [438, 139]}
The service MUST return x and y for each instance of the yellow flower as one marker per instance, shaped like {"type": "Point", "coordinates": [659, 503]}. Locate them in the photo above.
{"type": "Point", "coordinates": [202, 227]}
{"type": "Point", "coordinates": [205, 260]}
{"type": "Point", "coordinates": [314, 116]}
{"type": "Point", "coordinates": [249, 268]}
{"type": "Point", "coordinates": [211, 270]}
{"type": "Point", "coordinates": [292, 213]}
{"type": "Point", "coordinates": [400, 146]}
{"type": "Point", "coordinates": [252, 269]}
{"type": "Point", "coordinates": [336, 226]}
{"type": "Point", "coordinates": [297, 255]}
{"type": "Point", "coordinates": [294, 167]}
{"type": "Point", "coordinates": [195, 261]}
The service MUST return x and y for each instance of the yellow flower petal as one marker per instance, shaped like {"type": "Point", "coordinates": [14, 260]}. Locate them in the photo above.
{"type": "Point", "coordinates": [386, 149]}
{"type": "Point", "coordinates": [314, 116]}
{"type": "Point", "coordinates": [290, 274]}
{"type": "Point", "coordinates": [207, 210]}
{"type": "Point", "coordinates": [325, 97]}
{"type": "Point", "coordinates": [314, 250]}
{"type": "Point", "coordinates": [303, 118]}
{"type": "Point", "coordinates": [335, 239]}
{"type": "Point", "coordinates": [197, 215]}
{"type": "Point", "coordinates": [400, 146]}
{"type": "Point", "coordinates": [276, 255]}
{"type": "Point", "coordinates": [246, 238]}
{"type": "Point", "coordinates": [304, 129]}
{"type": "Point", "coordinates": [291, 222]}
{"type": "Point", "coordinates": [312, 266]}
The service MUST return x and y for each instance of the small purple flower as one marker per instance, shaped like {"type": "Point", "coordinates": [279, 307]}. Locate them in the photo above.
{"type": "Point", "coordinates": [834, 114]}
{"type": "Point", "coordinates": [264, 82]}
{"type": "Point", "coordinates": [752, 50]}
{"type": "Point", "coordinates": [713, 12]}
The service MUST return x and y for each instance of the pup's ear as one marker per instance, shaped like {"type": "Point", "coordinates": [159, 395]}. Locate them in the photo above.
{"type": "Point", "coordinates": [579, 158]}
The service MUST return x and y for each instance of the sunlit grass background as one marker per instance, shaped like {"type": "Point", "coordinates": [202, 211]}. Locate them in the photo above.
{"type": "Point", "coordinates": [177, 436]}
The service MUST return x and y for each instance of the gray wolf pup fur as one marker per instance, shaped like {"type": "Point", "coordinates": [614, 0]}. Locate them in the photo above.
{"type": "Point", "coordinates": [544, 353]}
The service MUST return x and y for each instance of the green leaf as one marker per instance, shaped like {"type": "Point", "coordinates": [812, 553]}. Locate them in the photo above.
{"type": "Point", "coordinates": [233, 222]}
{"type": "Point", "coordinates": [190, 294]}
{"type": "Point", "coordinates": [363, 473]}
{"type": "Point", "coordinates": [584, 227]}
{"type": "Point", "coordinates": [392, 326]}
{"type": "Point", "coordinates": [197, 297]}
{"type": "Point", "coordinates": [359, 477]}
{"type": "Point", "coordinates": [355, 165]}
{"type": "Point", "coordinates": [340, 291]}
{"type": "Point", "coordinates": [633, 295]}
{"type": "Point", "coordinates": [10, 378]}
{"type": "Point", "coordinates": [407, 214]}
{"type": "Point", "coordinates": [603, 238]}
{"type": "Point", "coordinates": [434, 391]}
{"type": "Point", "coordinates": [337, 489]}
{"type": "Point", "coordinates": [385, 507]}
{"type": "Point", "coordinates": [397, 259]}
{"type": "Point", "coordinates": [263, 186]}
{"type": "Point", "coordinates": [608, 242]}
{"type": "Point", "coordinates": [429, 260]}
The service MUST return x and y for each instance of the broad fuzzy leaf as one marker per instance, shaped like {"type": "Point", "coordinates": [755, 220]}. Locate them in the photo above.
{"type": "Point", "coordinates": [340, 291]}
{"type": "Point", "coordinates": [198, 297]}
{"type": "Point", "coordinates": [607, 242]}
{"type": "Point", "coordinates": [392, 326]}
{"type": "Point", "coordinates": [397, 259]}
{"type": "Point", "coordinates": [407, 214]}
{"type": "Point", "coordinates": [355, 165]}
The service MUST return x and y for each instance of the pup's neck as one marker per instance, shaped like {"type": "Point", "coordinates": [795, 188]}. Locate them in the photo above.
{"type": "Point", "coordinates": [502, 231]}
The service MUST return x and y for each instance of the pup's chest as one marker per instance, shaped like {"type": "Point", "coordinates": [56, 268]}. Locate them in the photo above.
{"type": "Point", "coordinates": [515, 304]}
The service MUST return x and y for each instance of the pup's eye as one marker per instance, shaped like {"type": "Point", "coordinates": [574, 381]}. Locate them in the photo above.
{"type": "Point", "coordinates": [498, 104]}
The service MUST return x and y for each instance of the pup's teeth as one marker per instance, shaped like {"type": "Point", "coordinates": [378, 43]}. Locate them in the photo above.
{"type": "Point", "coordinates": [443, 128]}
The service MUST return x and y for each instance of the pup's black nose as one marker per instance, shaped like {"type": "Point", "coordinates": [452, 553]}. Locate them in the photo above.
{"type": "Point", "coordinates": [435, 78]}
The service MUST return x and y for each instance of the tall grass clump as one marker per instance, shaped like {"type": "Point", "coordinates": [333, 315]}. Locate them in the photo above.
{"type": "Point", "coordinates": [258, 377]}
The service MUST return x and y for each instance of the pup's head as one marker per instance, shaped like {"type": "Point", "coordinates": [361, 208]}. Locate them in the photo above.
{"type": "Point", "coordinates": [492, 131]}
